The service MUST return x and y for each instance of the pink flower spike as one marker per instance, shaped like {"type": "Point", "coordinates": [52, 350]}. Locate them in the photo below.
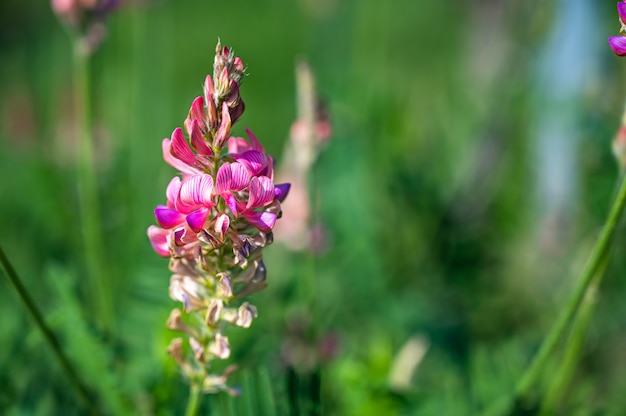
{"type": "Point", "coordinates": [195, 191]}
{"type": "Point", "coordinates": [174, 162]}
{"type": "Point", "coordinates": [281, 191]}
{"type": "Point", "coordinates": [264, 221]}
{"type": "Point", "coordinates": [197, 141]}
{"type": "Point", "coordinates": [221, 225]}
{"type": "Point", "coordinates": [618, 44]}
{"type": "Point", "coordinates": [158, 239]}
{"type": "Point", "coordinates": [196, 219]}
{"type": "Point", "coordinates": [621, 10]}
{"type": "Point", "coordinates": [261, 192]}
{"type": "Point", "coordinates": [180, 148]}
{"type": "Point", "coordinates": [256, 145]}
{"type": "Point", "coordinates": [223, 179]}
{"type": "Point", "coordinates": [168, 218]}
{"type": "Point", "coordinates": [173, 188]}
{"type": "Point", "coordinates": [224, 130]}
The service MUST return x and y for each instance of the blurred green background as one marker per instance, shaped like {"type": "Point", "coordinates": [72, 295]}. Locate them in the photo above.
{"type": "Point", "coordinates": [466, 179]}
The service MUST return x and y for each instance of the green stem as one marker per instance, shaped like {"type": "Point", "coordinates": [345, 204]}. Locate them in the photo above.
{"type": "Point", "coordinates": [88, 191]}
{"type": "Point", "coordinates": [600, 250]}
{"type": "Point", "coordinates": [573, 350]}
{"type": "Point", "coordinates": [194, 400]}
{"type": "Point", "coordinates": [48, 335]}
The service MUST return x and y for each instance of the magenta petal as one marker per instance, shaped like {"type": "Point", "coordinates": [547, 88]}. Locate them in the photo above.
{"type": "Point", "coordinates": [281, 191]}
{"type": "Point", "coordinates": [240, 177]}
{"type": "Point", "coordinates": [158, 239]}
{"type": "Point", "coordinates": [173, 188]}
{"type": "Point", "coordinates": [168, 218]}
{"type": "Point", "coordinates": [261, 192]}
{"type": "Point", "coordinates": [237, 145]}
{"type": "Point", "coordinates": [618, 44]}
{"type": "Point", "coordinates": [253, 160]}
{"type": "Point", "coordinates": [197, 110]}
{"type": "Point", "coordinates": [256, 145]}
{"type": "Point", "coordinates": [224, 130]}
{"type": "Point", "coordinates": [208, 88]}
{"type": "Point", "coordinates": [621, 10]}
{"type": "Point", "coordinates": [180, 148]}
{"type": "Point", "coordinates": [264, 221]}
{"type": "Point", "coordinates": [184, 236]}
{"type": "Point", "coordinates": [197, 141]}
{"type": "Point", "coordinates": [237, 111]}
{"type": "Point", "coordinates": [195, 191]}
{"type": "Point", "coordinates": [223, 179]}
{"type": "Point", "coordinates": [197, 218]}
{"type": "Point", "coordinates": [221, 225]}
{"type": "Point", "coordinates": [173, 162]}
{"type": "Point", "coordinates": [231, 202]}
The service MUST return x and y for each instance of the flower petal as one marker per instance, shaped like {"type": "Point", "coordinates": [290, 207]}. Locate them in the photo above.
{"type": "Point", "coordinates": [224, 130]}
{"type": "Point", "coordinates": [174, 162]}
{"type": "Point", "coordinates": [281, 191]}
{"type": "Point", "coordinates": [173, 188]}
{"type": "Point", "coordinates": [231, 201]}
{"type": "Point", "coordinates": [255, 144]}
{"type": "Point", "coordinates": [618, 44]}
{"type": "Point", "coordinates": [254, 160]}
{"type": "Point", "coordinates": [240, 178]}
{"type": "Point", "coordinates": [223, 179]}
{"type": "Point", "coordinates": [237, 145]}
{"type": "Point", "coordinates": [195, 191]}
{"type": "Point", "coordinates": [197, 218]}
{"type": "Point", "coordinates": [221, 225]}
{"type": "Point", "coordinates": [621, 10]}
{"type": "Point", "coordinates": [264, 221]}
{"type": "Point", "coordinates": [158, 239]}
{"type": "Point", "coordinates": [168, 218]}
{"type": "Point", "coordinates": [197, 141]}
{"type": "Point", "coordinates": [180, 148]}
{"type": "Point", "coordinates": [261, 192]}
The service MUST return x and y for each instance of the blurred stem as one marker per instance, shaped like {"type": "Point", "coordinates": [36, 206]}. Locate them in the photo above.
{"type": "Point", "coordinates": [48, 335]}
{"type": "Point", "coordinates": [599, 254]}
{"type": "Point", "coordinates": [88, 190]}
{"type": "Point", "coordinates": [574, 346]}
{"type": "Point", "coordinates": [194, 400]}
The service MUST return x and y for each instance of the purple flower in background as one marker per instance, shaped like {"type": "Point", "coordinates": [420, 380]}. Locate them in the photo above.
{"type": "Point", "coordinates": [618, 43]}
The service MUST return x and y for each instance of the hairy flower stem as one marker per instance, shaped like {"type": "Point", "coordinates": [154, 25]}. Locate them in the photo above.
{"type": "Point", "coordinates": [88, 191]}
{"type": "Point", "coordinates": [194, 400]}
{"type": "Point", "coordinates": [574, 347]}
{"type": "Point", "coordinates": [48, 335]}
{"type": "Point", "coordinates": [598, 255]}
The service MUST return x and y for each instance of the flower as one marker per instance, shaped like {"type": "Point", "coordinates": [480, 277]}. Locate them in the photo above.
{"type": "Point", "coordinates": [219, 214]}
{"type": "Point", "coordinates": [618, 43]}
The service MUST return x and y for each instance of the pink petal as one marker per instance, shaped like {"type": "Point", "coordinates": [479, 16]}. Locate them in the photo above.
{"type": "Point", "coordinates": [197, 141]}
{"type": "Point", "coordinates": [237, 145]}
{"type": "Point", "coordinates": [240, 177]}
{"type": "Point", "coordinates": [172, 191]}
{"type": "Point", "coordinates": [264, 221]}
{"type": "Point", "coordinates": [254, 160]}
{"type": "Point", "coordinates": [221, 225]}
{"type": "Point", "coordinates": [184, 236]}
{"type": "Point", "coordinates": [281, 191]}
{"type": "Point", "coordinates": [158, 239]}
{"type": "Point", "coordinates": [168, 218]}
{"type": "Point", "coordinates": [173, 162]}
{"type": "Point", "coordinates": [197, 219]}
{"type": "Point", "coordinates": [224, 130]}
{"type": "Point", "coordinates": [256, 145]}
{"type": "Point", "coordinates": [195, 191]}
{"type": "Point", "coordinates": [197, 110]}
{"type": "Point", "coordinates": [261, 192]}
{"type": "Point", "coordinates": [180, 148]}
{"type": "Point", "coordinates": [237, 111]}
{"type": "Point", "coordinates": [223, 179]}
{"type": "Point", "coordinates": [618, 44]}
{"type": "Point", "coordinates": [208, 89]}
{"type": "Point", "coordinates": [231, 201]}
{"type": "Point", "coordinates": [621, 10]}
